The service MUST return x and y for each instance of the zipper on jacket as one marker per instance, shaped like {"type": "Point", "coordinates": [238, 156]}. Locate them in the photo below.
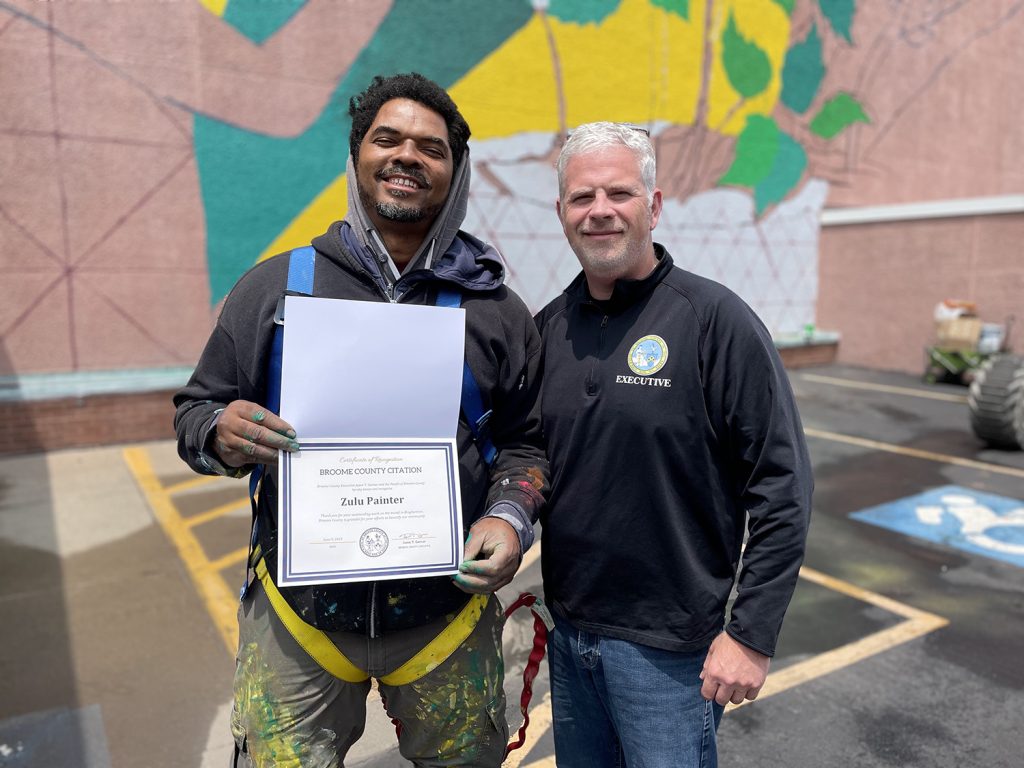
{"type": "Point", "coordinates": [372, 611]}
{"type": "Point", "coordinates": [592, 378]}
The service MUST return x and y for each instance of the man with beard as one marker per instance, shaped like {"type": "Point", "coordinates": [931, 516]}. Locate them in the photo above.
{"type": "Point", "coordinates": [399, 242]}
{"type": "Point", "coordinates": [673, 438]}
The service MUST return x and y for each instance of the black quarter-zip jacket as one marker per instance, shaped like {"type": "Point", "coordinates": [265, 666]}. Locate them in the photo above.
{"type": "Point", "coordinates": [669, 419]}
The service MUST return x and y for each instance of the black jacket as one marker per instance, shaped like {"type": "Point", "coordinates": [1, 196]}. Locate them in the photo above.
{"type": "Point", "coordinates": [669, 418]}
{"type": "Point", "coordinates": [502, 349]}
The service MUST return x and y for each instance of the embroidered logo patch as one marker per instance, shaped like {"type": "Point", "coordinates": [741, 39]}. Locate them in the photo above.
{"type": "Point", "coordinates": [648, 355]}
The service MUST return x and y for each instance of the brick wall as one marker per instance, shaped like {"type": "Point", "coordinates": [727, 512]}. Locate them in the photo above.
{"type": "Point", "coordinates": [807, 355]}
{"type": "Point", "coordinates": [74, 422]}
{"type": "Point", "coordinates": [47, 425]}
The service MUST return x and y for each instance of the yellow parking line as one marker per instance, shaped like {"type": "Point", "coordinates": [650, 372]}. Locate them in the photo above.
{"type": "Point", "coordinates": [195, 482]}
{"type": "Point", "coordinates": [193, 520]}
{"type": "Point", "coordinates": [859, 593]}
{"type": "Point", "coordinates": [917, 623]}
{"type": "Point", "coordinates": [232, 558]}
{"type": "Point", "coordinates": [849, 383]}
{"type": "Point", "coordinates": [213, 590]}
{"type": "Point", "coordinates": [942, 458]}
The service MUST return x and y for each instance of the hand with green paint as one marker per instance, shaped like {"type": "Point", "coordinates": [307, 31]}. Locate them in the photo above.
{"type": "Point", "coordinates": [491, 557]}
{"type": "Point", "coordinates": [247, 433]}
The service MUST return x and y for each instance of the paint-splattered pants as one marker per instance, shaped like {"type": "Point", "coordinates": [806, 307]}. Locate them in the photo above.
{"type": "Point", "coordinates": [289, 713]}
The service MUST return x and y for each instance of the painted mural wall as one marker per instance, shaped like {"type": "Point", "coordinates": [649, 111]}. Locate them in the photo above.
{"type": "Point", "coordinates": [151, 151]}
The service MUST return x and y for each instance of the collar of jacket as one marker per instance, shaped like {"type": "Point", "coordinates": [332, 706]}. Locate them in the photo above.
{"type": "Point", "coordinates": [625, 293]}
{"type": "Point", "coordinates": [468, 262]}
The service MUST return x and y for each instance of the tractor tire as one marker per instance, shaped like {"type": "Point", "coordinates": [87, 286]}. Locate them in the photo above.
{"type": "Point", "coordinates": [996, 402]}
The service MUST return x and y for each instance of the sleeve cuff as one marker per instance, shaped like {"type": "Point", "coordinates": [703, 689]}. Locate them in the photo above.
{"type": "Point", "coordinates": [515, 516]}
{"type": "Point", "coordinates": [210, 462]}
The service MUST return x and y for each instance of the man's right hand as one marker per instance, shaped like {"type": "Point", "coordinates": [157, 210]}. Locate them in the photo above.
{"type": "Point", "coordinates": [247, 433]}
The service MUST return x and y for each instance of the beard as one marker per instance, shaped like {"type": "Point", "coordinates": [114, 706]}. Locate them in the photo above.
{"type": "Point", "coordinates": [604, 262]}
{"type": "Point", "coordinates": [406, 214]}
{"type": "Point", "coordinates": [397, 211]}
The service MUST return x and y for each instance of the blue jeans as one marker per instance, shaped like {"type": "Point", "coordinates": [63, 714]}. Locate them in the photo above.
{"type": "Point", "coordinates": [616, 703]}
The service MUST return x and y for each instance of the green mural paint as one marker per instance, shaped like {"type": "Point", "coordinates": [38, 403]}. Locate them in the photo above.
{"type": "Point", "coordinates": [582, 11]}
{"type": "Point", "coordinates": [840, 15]}
{"type": "Point", "coordinates": [254, 185]}
{"type": "Point", "coordinates": [837, 113]}
{"type": "Point", "coordinates": [258, 19]}
{"type": "Point", "coordinates": [678, 7]}
{"type": "Point", "coordinates": [786, 5]}
{"type": "Point", "coordinates": [756, 148]}
{"type": "Point", "coordinates": [786, 171]}
{"type": "Point", "coordinates": [747, 66]}
{"type": "Point", "coordinates": [802, 73]}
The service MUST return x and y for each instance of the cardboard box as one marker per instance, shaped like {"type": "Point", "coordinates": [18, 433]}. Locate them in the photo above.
{"type": "Point", "coordinates": [960, 333]}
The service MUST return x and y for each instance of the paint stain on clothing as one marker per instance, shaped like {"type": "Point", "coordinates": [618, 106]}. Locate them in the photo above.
{"type": "Point", "coordinates": [271, 731]}
{"type": "Point", "coordinates": [461, 703]}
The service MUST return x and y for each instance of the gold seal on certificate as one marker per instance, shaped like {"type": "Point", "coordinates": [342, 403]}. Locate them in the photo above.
{"type": "Point", "coordinates": [362, 511]}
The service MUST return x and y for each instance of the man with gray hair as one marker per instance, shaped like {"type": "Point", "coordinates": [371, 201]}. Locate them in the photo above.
{"type": "Point", "coordinates": [672, 435]}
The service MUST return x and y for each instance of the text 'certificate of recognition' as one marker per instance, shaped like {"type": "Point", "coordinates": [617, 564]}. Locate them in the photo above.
{"type": "Point", "coordinates": [373, 391]}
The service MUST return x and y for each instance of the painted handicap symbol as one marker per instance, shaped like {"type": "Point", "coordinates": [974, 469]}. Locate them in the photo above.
{"type": "Point", "coordinates": [976, 520]}
{"type": "Point", "coordinates": [961, 518]}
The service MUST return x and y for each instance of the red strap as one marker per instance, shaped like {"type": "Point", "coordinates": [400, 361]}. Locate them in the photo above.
{"type": "Point", "coordinates": [540, 638]}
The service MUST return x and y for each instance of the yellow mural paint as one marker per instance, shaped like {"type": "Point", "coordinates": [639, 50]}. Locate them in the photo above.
{"type": "Point", "coordinates": [216, 7]}
{"type": "Point", "coordinates": [641, 64]}
{"type": "Point", "coordinates": [514, 89]}
{"type": "Point", "coordinates": [762, 22]}
{"type": "Point", "coordinates": [329, 206]}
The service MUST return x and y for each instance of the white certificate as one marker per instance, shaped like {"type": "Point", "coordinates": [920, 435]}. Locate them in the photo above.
{"type": "Point", "coordinates": [373, 391]}
{"type": "Point", "coordinates": [369, 510]}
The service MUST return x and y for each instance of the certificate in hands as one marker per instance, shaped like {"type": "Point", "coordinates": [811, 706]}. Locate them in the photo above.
{"type": "Point", "coordinates": [373, 391]}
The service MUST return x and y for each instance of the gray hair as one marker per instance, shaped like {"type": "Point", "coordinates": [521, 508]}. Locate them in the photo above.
{"type": "Point", "coordinates": [591, 136]}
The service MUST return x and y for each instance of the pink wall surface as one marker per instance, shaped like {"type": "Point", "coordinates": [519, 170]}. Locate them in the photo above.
{"type": "Point", "coordinates": [880, 282]}
{"type": "Point", "coordinates": [948, 103]}
{"type": "Point", "coordinates": [946, 84]}
{"type": "Point", "coordinates": [105, 233]}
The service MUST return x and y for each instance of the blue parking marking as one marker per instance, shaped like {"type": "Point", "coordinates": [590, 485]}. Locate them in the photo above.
{"type": "Point", "coordinates": [962, 518]}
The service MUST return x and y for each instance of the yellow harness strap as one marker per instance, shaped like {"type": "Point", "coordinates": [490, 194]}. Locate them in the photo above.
{"type": "Point", "coordinates": [326, 654]}
{"type": "Point", "coordinates": [313, 641]}
{"type": "Point", "coordinates": [442, 646]}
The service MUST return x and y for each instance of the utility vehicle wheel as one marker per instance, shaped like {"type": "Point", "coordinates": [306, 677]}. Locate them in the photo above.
{"type": "Point", "coordinates": [996, 401]}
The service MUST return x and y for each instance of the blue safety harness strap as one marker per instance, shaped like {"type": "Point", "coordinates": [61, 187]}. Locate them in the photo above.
{"type": "Point", "coordinates": [472, 400]}
{"type": "Point", "coordinates": [301, 266]}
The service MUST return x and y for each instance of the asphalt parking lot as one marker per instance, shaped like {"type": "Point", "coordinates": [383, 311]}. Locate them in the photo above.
{"type": "Point", "coordinates": [119, 572]}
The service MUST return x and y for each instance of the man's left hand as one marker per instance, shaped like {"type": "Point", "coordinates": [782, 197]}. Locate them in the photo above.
{"type": "Point", "coordinates": [732, 671]}
{"type": "Point", "coordinates": [491, 557]}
